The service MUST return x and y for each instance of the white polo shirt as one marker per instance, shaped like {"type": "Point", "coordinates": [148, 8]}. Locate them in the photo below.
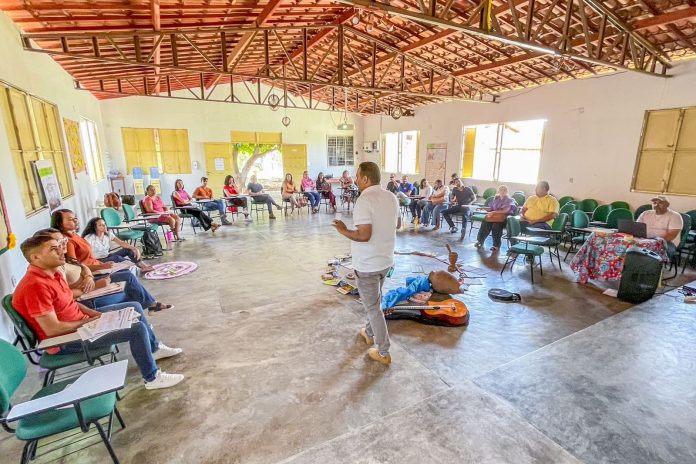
{"type": "Point", "coordinates": [380, 208]}
{"type": "Point", "coordinates": [659, 224]}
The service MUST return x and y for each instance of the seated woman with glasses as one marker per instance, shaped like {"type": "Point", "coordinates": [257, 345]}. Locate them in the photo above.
{"type": "Point", "coordinates": [230, 190]}
{"type": "Point", "coordinates": [183, 200]}
{"type": "Point", "coordinates": [350, 191]}
{"type": "Point", "coordinates": [153, 204]}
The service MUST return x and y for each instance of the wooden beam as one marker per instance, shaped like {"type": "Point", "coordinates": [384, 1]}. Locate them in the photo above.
{"type": "Point", "coordinates": [261, 19]}
{"type": "Point", "coordinates": [156, 25]}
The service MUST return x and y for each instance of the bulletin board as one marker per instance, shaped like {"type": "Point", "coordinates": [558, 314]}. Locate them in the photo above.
{"type": "Point", "coordinates": [436, 162]}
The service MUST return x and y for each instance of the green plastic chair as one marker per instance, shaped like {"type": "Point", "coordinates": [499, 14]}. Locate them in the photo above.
{"type": "Point", "coordinates": [685, 247]}
{"type": "Point", "coordinates": [568, 208]}
{"type": "Point", "coordinates": [519, 198]}
{"type": "Point", "coordinates": [600, 214]}
{"type": "Point", "coordinates": [82, 403]}
{"type": "Point", "coordinates": [113, 222]}
{"type": "Point", "coordinates": [515, 249]}
{"type": "Point", "coordinates": [489, 192]}
{"type": "Point", "coordinates": [615, 215]}
{"type": "Point", "coordinates": [620, 204]}
{"type": "Point", "coordinates": [578, 220]}
{"type": "Point", "coordinates": [556, 234]}
{"type": "Point", "coordinates": [480, 216]}
{"type": "Point", "coordinates": [130, 217]}
{"type": "Point", "coordinates": [588, 205]}
{"type": "Point", "coordinates": [640, 210]}
{"type": "Point", "coordinates": [563, 200]}
{"type": "Point", "coordinates": [51, 362]}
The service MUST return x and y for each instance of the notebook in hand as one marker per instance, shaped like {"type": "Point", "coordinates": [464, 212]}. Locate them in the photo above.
{"type": "Point", "coordinates": [637, 229]}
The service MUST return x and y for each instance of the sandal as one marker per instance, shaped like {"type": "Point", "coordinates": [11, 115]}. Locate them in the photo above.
{"type": "Point", "coordinates": [157, 307]}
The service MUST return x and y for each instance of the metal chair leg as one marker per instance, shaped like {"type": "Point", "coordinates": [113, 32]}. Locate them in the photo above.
{"type": "Point", "coordinates": [105, 439]}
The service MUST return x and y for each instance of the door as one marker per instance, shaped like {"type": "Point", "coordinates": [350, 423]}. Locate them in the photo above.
{"type": "Point", "coordinates": [295, 161]}
{"type": "Point", "coordinates": [218, 164]}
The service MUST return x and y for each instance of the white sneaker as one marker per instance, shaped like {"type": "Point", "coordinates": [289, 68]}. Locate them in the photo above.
{"type": "Point", "coordinates": [165, 352]}
{"type": "Point", "coordinates": [164, 380]}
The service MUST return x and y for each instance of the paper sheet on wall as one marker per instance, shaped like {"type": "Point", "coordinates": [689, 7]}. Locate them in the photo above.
{"type": "Point", "coordinates": [219, 164]}
{"type": "Point", "coordinates": [436, 162]}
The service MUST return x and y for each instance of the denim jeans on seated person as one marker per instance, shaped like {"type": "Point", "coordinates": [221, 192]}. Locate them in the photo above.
{"type": "Point", "coordinates": [313, 197]}
{"type": "Point", "coordinates": [435, 217]}
{"type": "Point", "coordinates": [216, 205]}
{"type": "Point", "coordinates": [139, 336]}
{"type": "Point", "coordinates": [134, 289]}
{"type": "Point", "coordinates": [120, 255]}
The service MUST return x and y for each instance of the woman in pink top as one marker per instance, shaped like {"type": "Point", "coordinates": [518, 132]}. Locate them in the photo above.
{"type": "Point", "coordinates": [154, 204]}
{"type": "Point", "coordinates": [182, 199]}
{"type": "Point", "coordinates": [309, 189]}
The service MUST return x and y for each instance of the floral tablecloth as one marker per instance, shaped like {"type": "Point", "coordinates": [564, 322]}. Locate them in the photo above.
{"type": "Point", "coordinates": [602, 256]}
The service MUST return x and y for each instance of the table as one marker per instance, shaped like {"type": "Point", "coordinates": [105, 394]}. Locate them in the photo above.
{"type": "Point", "coordinates": [602, 256]}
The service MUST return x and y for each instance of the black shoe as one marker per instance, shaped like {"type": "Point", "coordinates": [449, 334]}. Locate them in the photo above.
{"type": "Point", "coordinates": [453, 230]}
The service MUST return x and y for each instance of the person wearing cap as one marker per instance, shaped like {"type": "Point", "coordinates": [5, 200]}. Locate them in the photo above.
{"type": "Point", "coordinates": [663, 222]}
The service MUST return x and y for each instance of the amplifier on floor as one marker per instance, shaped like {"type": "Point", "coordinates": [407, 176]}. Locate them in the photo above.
{"type": "Point", "coordinates": [641, 275]}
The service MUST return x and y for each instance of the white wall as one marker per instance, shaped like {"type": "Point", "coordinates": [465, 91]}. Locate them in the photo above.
{"type": "Point", "coordinates": [39, 75]}
{"type": "Point", "coordinates": [592, 133]}
{"type": "Point", "coordinates": [213, 122]}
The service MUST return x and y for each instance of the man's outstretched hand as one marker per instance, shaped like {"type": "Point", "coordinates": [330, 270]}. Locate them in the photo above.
{"type": "Point", "coordinates": [340, 225]}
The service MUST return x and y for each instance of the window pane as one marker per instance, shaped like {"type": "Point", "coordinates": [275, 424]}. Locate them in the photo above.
{"type": "Point", "coordinates": [520, 153]}
{"type": "Point", "coordinates": [484, 151]}
{"type": "Point", "coordinates": [409, 152]}
{"type": "Point", "coordinates": [391, 152]}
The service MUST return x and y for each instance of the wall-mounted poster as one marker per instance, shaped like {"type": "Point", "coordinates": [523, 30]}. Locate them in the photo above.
{"type": "Point", "coordinates": [155, 179]}
{"type": "Point", "coordinates": [47, 176]}
{"type": "Point", "coordinates": [436, 162]}
{"type": "Point", "coordinates": [7, 238]}
{"type": "Point", "coordinates": [138, 183]}
{"type": "Point", "coordinates": [72, 134]}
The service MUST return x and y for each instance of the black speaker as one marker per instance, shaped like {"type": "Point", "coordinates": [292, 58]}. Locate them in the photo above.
{"type": "Point", "coordinates": [641, 275]}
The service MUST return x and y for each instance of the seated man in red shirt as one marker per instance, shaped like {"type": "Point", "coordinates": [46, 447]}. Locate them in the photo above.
{"type": "Point", "coordinates": [45, 301]}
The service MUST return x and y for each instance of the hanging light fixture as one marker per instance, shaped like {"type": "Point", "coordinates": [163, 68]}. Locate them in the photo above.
{"type": "Point", "coordinates": [274, 101]}
{"type": "Point", "coordinates": [397, 112]}
{"type": "Point", "coordinates": [355, 20]}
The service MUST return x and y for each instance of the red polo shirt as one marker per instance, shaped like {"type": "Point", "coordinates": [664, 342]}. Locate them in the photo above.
{"type": "Point", "coordinates": [39, 294]}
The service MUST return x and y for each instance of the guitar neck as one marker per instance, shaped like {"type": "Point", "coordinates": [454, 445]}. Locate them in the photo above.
{"type": "Point", "coordinates": [422, 307]}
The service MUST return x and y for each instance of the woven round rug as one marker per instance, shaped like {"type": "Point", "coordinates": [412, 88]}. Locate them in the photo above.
{"type": "Point", "coordinates": [171, 270]}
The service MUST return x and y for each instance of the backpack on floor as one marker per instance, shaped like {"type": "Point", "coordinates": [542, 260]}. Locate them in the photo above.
{"type": "Point", "coordinates": [151, 244]}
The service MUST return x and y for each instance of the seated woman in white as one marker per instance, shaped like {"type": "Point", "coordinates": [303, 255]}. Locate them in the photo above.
{"type": "Point", "coordinates": [107, 247]}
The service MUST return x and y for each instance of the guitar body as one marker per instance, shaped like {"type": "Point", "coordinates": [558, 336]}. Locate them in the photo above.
{"type": "Point", "coordinates": [448, 313]}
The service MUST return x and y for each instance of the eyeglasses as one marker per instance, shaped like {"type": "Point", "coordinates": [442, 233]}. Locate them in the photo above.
{"type": "Point", "coordinates": [63, 241]}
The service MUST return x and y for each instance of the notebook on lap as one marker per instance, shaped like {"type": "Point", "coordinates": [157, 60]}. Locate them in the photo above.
{"type": "Point", "coordinates": [637, 229]}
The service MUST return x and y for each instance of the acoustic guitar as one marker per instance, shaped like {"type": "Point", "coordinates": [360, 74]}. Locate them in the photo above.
{"type": "Point", "coordinates": [449, 313]}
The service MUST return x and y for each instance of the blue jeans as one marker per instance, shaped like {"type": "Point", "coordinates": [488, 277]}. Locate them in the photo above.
{"type": "Point", "coordinates": [120, 255]}
{"type": "Point", "coordinates": [140, 338]}
{"type": "Point", "coordinates": [134, 290]}
{"type": "Point", "coordinates": [436, 213]}
{"type": "Point", "coordinates": [313, 197]}
{"type": "Point", "coordinates": [217, 205]}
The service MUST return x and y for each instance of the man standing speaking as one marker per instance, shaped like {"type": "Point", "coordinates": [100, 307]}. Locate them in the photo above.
{"type": "Point", "coordinates": [376, 218]}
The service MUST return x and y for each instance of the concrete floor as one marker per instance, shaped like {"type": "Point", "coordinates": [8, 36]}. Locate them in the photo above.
{"type": "Point", "coordinates": [277, 373]}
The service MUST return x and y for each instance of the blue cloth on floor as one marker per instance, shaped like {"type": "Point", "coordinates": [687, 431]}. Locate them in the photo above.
{"type": "Point", "coordinates": [413, 285]}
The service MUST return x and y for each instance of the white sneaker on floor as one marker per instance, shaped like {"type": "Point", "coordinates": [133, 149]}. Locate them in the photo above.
{"type": "Point", "coordinates": [165, 352]}
{"type": "Point", "coordinates": [164, 380]}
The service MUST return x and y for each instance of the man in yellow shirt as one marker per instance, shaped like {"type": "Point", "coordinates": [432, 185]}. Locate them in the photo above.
{"type": "Point", "coordinates": [539, 210]}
